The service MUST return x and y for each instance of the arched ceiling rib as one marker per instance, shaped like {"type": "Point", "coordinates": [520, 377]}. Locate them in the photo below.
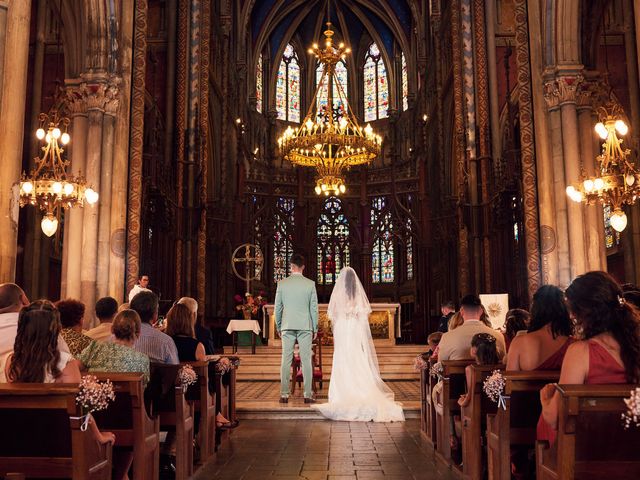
{"type": "Point", "coordinates": [388, 21]}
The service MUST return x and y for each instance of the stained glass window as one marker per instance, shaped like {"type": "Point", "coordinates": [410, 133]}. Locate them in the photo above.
{"type": "Point", "coordinates": [339, 98]}
{"type": "Point", "coordinates": [611, 237]}
{"type": "Point", "coordinates": [383, 255]}
{"type": "Point", "coordinates": [376, 87]}
{"type": "Point", "coordinates": [282, 238]}
{"type": "Point", "coordinates": [259, 84]}
{"type": "Point", "coordinates": [288, 86]}
{"type": "Point", "coordinates": [405, 84]}
{"type": "Point", "coordinates": [333, 251]}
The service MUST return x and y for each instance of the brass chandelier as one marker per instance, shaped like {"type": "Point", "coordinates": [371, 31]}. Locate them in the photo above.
{"type": "Point", "coordinates": [48, 186]}
{"type": "Point", "coordinates": [331, 141]}
{"type": "Point", "coordinates": [617, 182]}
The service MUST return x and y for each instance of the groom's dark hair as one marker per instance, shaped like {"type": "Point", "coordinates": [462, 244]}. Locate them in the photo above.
{"type": "Point", "coordinates": [297, 259]}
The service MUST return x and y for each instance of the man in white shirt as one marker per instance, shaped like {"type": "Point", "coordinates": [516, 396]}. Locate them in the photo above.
{"type": "Point", "coordinates": [456, 344]}
{"type": "Point", "coordinates": [141, 286]}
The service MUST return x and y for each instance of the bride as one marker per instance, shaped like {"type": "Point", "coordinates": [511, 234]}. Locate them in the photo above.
{"type": "Point", "coordinates": [356, 391]}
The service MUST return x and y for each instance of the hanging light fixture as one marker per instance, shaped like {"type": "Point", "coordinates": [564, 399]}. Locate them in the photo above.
{"type": "Point", "coordinates": [331, 141]}
{"type": "Point", "coordinates": [48, 186]}
{"type": "Point", "coordinates": [618, 180]}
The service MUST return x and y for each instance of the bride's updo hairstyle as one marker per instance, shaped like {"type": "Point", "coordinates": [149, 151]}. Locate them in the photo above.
{"type": "Point", "coordinates": [350, 284]}
{"type": "Point", "coordinates": [596, 300]}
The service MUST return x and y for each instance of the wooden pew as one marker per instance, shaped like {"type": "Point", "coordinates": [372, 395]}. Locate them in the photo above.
{"type": "Point", "coordinates": [446, 405]}
{"type": "Point", "coordinates": [127, 418]}
{"type": "Point", "coordinates": [473, 419]}
{"type": "Point", "coordinates": [169, 403]}
{"type": "Point", "coordinates": [516, 424]}
{"type": "Point", "coordinates": [592, 442]}
{"type": "Point", "coordinates": [41, 435]}
{"type": "Point", "coordinates": [427, 409]}
{"type": "Point", "coordinates": [225, 397]}
{"type": "Point", "coordinates": [204, 402]}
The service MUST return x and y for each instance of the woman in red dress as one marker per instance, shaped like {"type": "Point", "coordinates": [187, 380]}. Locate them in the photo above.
{"type": "Point", "coordinates": [610, 350]}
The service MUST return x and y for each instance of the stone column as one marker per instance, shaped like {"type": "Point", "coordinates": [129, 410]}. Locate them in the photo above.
{"type": "Point", "coordinates": [4, 5]}
{"type": "Point", "coordinates": [33, 238]}
{"type": "Point", "coordinates": [74, 221]}
{"type": "Point", "coordinates": [561, 235]}
{"type": "Point", "coordinates": [120, 174]}
{"type": "Point", "coordinates": [106, 183]}
{"type": "Point", "coordinates": [636, 14]}
{"type": "Point", "coordinates": [12, 106]}
{"type": "Point", "coordinates": [594, 223]}
{"type": "Point", "coordinates": [567, 87]}
{"type": "Point", "coordinates": [95, 91]}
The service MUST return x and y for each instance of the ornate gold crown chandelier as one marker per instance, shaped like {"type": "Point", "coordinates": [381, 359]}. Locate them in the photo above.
{"type": "Point", "coordinates": [331, 141]}
{"type": "Point", "coordinates": [618, 180]}
{"type": "Point", "coordinates": [48, 186]}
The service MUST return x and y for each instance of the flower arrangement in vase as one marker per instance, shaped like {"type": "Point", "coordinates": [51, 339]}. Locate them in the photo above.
{"type": "Point", "coordinates": [250, 305]}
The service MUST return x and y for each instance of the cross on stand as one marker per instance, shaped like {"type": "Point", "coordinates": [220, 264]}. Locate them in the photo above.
{"type": "Point", "coordinates": [248, 259]}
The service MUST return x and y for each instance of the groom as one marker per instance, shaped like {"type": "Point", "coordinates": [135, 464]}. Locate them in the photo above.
{"type": "Point", "coordinates": [296, 319]}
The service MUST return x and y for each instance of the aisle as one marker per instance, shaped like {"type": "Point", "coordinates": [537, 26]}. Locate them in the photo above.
{"type": "Point", "coordinates": [323, 450]}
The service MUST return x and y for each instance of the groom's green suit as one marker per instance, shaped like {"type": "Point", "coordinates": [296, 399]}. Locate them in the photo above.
{"type": "Point", "coordinates": [296, 319]}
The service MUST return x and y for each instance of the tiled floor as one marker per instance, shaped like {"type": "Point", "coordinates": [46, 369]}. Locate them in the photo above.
{"type": "Point", "coordinates": [404, 390]}
{"type": "Point", "coordinates": [317, 449]}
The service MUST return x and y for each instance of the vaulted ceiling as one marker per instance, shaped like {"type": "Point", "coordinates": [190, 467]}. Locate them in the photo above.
{"type": "Point", "coordinates": [276, 22]}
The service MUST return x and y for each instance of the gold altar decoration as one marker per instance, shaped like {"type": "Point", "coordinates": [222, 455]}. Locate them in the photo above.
{"type": "Point", "coordinates": [617, 182]}
{"type": "Point", "coordinates": [48, 186]}
{"type": "Point", "coordinates": [331, 142]}
{"type": "Point", "coordinates": [383, 322]}
{"type": "Point", "coordinates": [251, 257]}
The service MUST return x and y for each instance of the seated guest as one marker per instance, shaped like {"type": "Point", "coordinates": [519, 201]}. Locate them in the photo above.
{"type": "Point", "coordinates": [432, 342]}
{"type": "Point", "coordinates": [106, 309]}
{"type": "Point", "coordinates": [71, 316]}
{"type": "Point", "coordinates": [180, 328]}
{"type": "Point", "coordinates": [118, 355]}
{"type": "Point", "coordinates": [12, 300]}
{"type": "Point", "coordinates": [484, 317]}
{"type": "Point", "coordinates": [158, 346]}
{"type": "Point", "coordinates": [124, 306]}
{"type": "Point", "coordinates": [455, 321]}
{"type": "Point", "coordinates": [203, 334]}
{"type": "Point", "coordinates": [516, 323]}
{"type": "Point", "coordinates": [610, 350]}
{"type": "Point", "coordinates": [35, 357]}
{"type": "Point", "coordinates": [455, 344]}
{"type": "Point", "coordinates": [447, 309]}
{"type": "Point", "coordinates": [549, 334]}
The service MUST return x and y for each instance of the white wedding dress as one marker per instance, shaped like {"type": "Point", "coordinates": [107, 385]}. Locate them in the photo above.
{"type": "Point", "coordinates": [356, 390]}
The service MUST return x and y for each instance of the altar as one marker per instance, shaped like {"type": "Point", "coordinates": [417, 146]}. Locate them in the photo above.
{"type": "Point", "coordinates": [384, 322]}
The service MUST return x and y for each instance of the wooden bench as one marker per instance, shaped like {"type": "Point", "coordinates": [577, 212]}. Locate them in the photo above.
{"type": "Point", "coordinates": [592, 442]}
{"type": "Point", "coordinates": [127, 418]}
{"type": "Point", "coordinates": [427, 408]}
{"type": "Point", "coordinates": [41, 435]}
{"type": "Point", "coordinates": [446, 405]}
{"type": "Point", "coordinates": [515, 425]}
{"type": "Point", "coordinates": [204, 402]}
{"type": "Point", "coordinates": [168, 402]}
{"type": "Point", "coordinates": [473, 418]}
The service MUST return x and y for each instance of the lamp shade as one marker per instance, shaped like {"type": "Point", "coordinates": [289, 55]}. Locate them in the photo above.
{"type": "Point", "coordinates": [618, 220]}
{"type": "Point", "coordinates": [49, 225]}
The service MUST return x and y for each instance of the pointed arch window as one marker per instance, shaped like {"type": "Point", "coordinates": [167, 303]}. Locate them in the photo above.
{"type": "Point", "coordinates": [288, 86]}
{"type": "Point", "coordinates": [409, 250]}
{"type": "Point", "coordinates": [339, 104]}
{"type": "Point", "coordinates": [405, 84]}
{"type": "Point", "coordinates": [283, 238]}
{"type": "Point", "coordinates": [259, 86]}
{"type": "Point", "coordinates": [383, 255]}
{"type": "Point", "coordinates": [333, 252]}
{"type": "Point", "coordinates": [376, 87]}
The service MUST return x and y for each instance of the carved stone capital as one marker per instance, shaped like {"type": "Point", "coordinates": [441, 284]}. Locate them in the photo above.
{"type": "Point", "coordinates": [551, 94]}
{"type": "Point", "coordinates": [568, 87]}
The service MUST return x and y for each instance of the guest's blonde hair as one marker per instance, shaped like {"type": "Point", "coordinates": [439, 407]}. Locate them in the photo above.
{"type": "Point", "coordinates": [455, 321]}
{"type": "Point", "coordinates": [126, 325]}
{"type": "Point", "coordinates": [123, 307]}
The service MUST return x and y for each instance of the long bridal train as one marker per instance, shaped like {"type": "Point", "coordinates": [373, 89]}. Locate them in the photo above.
{"type": "Point", "coordinates": [356, 390]}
